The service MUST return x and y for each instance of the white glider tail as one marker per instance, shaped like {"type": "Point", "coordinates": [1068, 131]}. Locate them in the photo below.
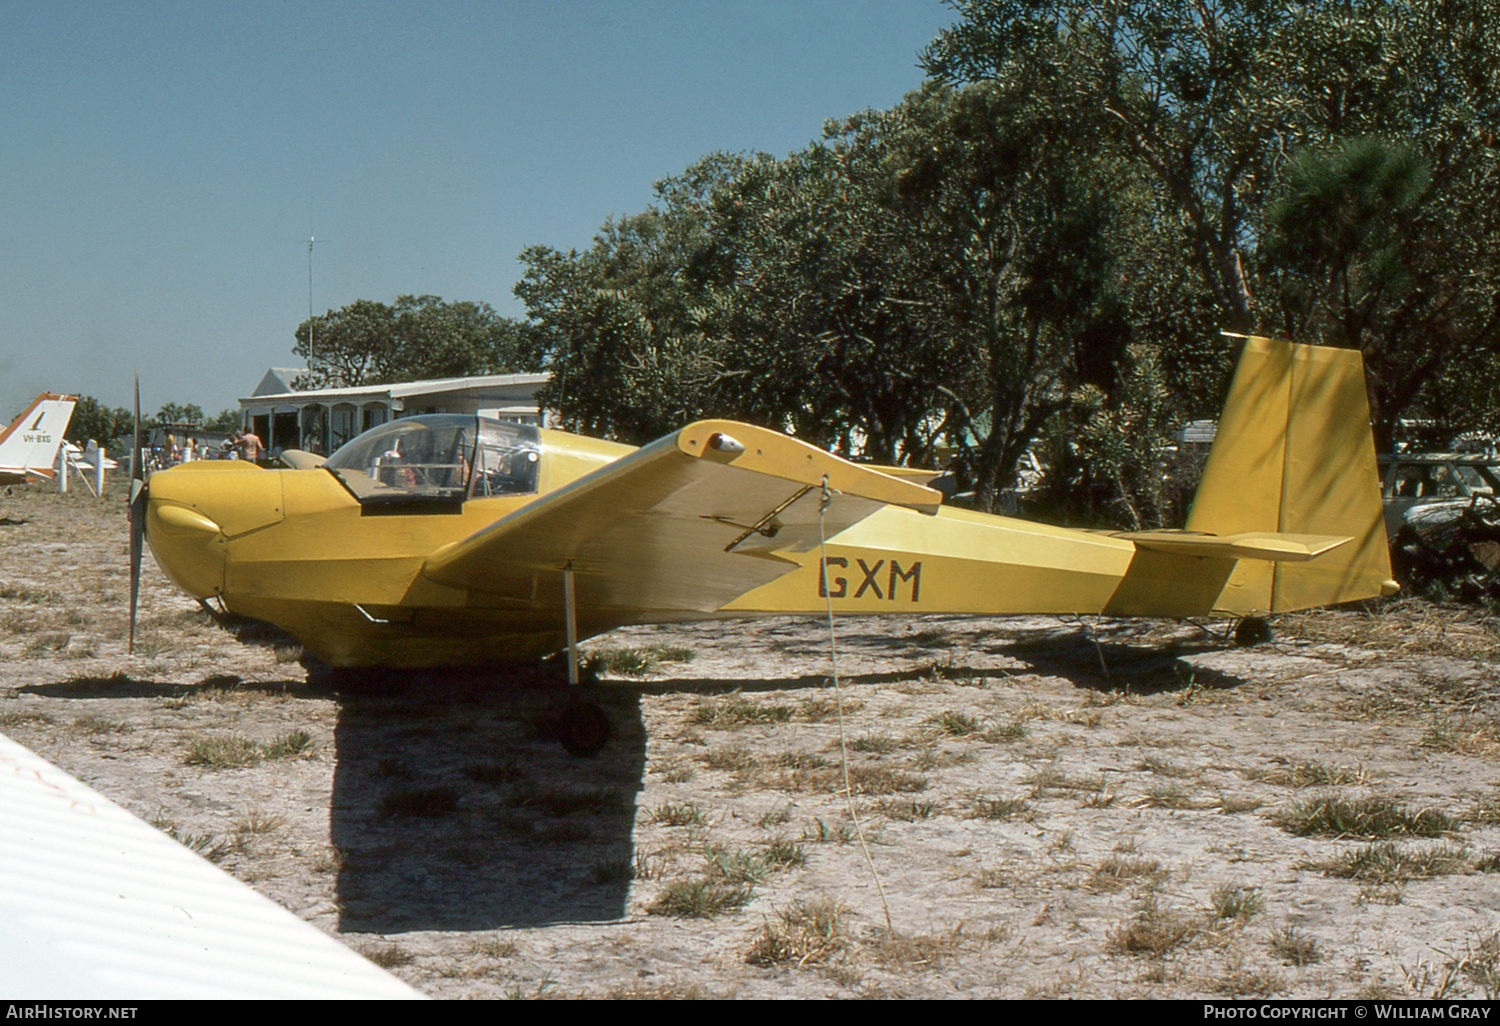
{"type": "Point", "coordinates": [28, 447]}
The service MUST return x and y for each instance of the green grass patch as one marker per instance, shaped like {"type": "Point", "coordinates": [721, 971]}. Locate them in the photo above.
{"type": "Point", "coordinates": [677, 814]}
{"type": "Point", "coordinates": [637, 662]}
{"type": "Point", "coordinates": [1294, 947]}
{"type": "Point", "coordinates": [1374, 817]}
{"type": "Point", "coordinates": [223, 752]}
{"type": "Point", "coordinates": [807, 932]}
{"type": "Point", "coordinates": [701, 898]}
{"type": "Point", "coordinates": [734, 710]}
{"type": "Point", "coordinates": [1238, 903]}
{"type": "Point", "coordinates": [1389, 862]}
{"type": "Point", "coordinates": [1153, 932]}
{"type": "Point", "coordinates": [289, 746]}
{"type": "Point", "coordinates": [1001, 808]}
{"type": "Point", "coordinates": [1119, 871]}
{"type": "Point", "coordinates": [952, 723]}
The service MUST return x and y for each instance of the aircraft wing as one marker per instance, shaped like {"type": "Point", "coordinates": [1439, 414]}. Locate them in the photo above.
{"type": "Point", "coordinates": [99, 906]}
{"type": "Point", "coordinates": [688, 522]}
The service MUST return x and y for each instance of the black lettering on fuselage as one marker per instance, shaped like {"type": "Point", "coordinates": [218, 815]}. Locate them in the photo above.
{"type": "Point", "coordinates": [914, 575]}
{"type": "Point", "coordinates": [838, 587]}
{"type": "Point", "coordinates": [839, 582]}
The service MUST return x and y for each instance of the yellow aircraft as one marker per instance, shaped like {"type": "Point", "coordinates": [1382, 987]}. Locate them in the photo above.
{"type": "Point", "coordinates": [450, 539]}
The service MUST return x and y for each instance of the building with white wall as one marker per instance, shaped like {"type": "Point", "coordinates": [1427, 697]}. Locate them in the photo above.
{"type": "Point", "coordinates": [320, 420]}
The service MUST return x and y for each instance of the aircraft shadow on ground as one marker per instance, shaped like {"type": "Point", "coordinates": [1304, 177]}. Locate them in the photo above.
{"type": "Point", "coordinates": [1143, 668]}
{"type": "Point", "coordinates": [456, 809]}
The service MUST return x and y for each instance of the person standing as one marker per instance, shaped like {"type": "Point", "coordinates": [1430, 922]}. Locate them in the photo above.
{"type": "Point", "coordinates": [250, 446]}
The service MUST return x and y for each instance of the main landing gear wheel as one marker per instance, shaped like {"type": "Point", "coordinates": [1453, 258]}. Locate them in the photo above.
{"type": "Point", "coordinates": [583, 729]}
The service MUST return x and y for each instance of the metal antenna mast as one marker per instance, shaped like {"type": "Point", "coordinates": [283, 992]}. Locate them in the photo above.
{"type": "Point", "coordinates": [310, 241]}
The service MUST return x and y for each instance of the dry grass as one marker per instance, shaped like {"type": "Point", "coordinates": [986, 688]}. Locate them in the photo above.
{"type": "Point", "coordinates": [1389, 863]}
{"type": "Point", "coordinates": [1480, 964]}
{"type": "Point", "coordinates": [1409, 627]}
{"type": "Point", "coordinates": [700, 898]}
{"type": "Point", "coordinates": [1117, 872]}
{"type": "Point", "coordinates": [1236, 902]}
{"type": "Point", "coordinates": [1310, 774]}
{"type": "Point", "coordinates": [1053, 780]}
{"type": "Point", "coordinates": [1373, 817]}
{"type": "Point", "coordinates": [810, 931]}
{"type": "Point", "coordinates": [1154, 931]}
{"type": "Point", "coordinates": [1462, 737]}
{"type": "Point", "coordinates": [1294, 947]}
{"type": "Point", "coordinates": [232, 751]}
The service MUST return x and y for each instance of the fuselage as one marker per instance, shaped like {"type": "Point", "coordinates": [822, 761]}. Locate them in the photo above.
{"type": "Point", "coordinates": [340, 570]}
{"type": "Point", "coordinates": [334, 555]}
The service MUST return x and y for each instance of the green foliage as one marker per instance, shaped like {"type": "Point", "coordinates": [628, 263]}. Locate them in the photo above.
{"type": "Point", "coordinates": [1373, 816]}
{"type": "Point", "coordinates": [1113, 460]}
{"type": "Point", "coordinates": [1264, 130]}
{"type": "Point", "coordinates": [225, 421]}
{"type": "Point", "coordinates": [930, 275]}
{"type": "Point", "coordinates": [630, 326]}
{"type": "Point", "coordinates": [93, 420]}
{"type": "Point", "coordinates": [173, 414]}
{"type": "Point", "coordinates": [416, 338]}
{"type": "Point", "coordinates": [701, 898]}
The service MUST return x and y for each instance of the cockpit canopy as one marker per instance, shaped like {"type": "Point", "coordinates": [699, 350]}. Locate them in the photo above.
{"type": "Point", "coordinates": [442, 456]}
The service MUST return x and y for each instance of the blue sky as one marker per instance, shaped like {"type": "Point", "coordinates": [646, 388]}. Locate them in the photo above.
{"type": "Point", "coordinates": [164, 163]}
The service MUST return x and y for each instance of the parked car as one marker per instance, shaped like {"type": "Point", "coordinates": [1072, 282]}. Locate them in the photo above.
{"type": "Point", "coordinates": [1442, 517]}
{"type": "Point", "coordinates": [1431, 487]}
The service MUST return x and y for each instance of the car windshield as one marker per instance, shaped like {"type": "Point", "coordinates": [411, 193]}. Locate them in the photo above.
{"type": "Point", "coordinates": [439, 456]}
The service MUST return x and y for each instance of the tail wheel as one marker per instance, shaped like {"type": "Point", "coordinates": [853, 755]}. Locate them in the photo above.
{"type": "Point", "coordinates": [583, 729]}
{"type": "Point", "coordinates": [1252, 630]}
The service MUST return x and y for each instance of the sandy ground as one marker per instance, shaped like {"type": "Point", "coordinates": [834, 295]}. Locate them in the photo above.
{"type": "Point", "coordinates": [1040, 808]}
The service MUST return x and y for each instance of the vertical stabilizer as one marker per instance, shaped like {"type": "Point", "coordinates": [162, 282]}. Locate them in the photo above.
{"type": "Point", "coordinates": [28, 447]}
{"type": "Point", "coordinates": [1294, 454]}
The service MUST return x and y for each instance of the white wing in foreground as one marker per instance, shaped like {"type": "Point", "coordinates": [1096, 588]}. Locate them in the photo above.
{"type": "Point", "coordinates": [99, 905]}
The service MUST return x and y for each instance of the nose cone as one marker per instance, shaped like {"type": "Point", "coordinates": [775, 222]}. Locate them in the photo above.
{"type": "Point", "coordinates": [189, 547]}
{"type": "Point", "coordinates": [193, 513]}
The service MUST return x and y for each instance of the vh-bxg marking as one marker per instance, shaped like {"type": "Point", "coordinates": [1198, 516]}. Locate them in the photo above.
{"type": "Point", "coordinates": [445, 540]}
{"type": "Point", "coordinates": [28, 447]}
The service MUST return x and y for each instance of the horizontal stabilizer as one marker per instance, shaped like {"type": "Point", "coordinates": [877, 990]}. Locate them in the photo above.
{"type": "Point", "coordinates": [1295, 548]}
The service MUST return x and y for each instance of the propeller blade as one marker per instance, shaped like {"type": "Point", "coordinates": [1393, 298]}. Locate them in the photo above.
{"type": "Point", "coordinates": [137, 514]}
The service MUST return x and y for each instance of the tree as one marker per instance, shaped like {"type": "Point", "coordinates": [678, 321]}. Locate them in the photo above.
{"type": "Point", "coordinates": [632, 325]}
{"type": "Point", "coordinates": [1363, 259]}
{"type": "Point", "coordinates": [1015, 214]}
{"type": "Point", "coordinates": [1211, 100]}
{"type": "Point", "coordinates": [416, 338]}
{"type": "Point", "coordinates": [930, 273]}
{"type": "Point", "coordinates": [225, 421]}
{"type": "Point", "coordinates": [93, 420]}
{"type": "Point", "coordinates": [830, 323]}
{"type": "Point", "coordinates": [173, 413]}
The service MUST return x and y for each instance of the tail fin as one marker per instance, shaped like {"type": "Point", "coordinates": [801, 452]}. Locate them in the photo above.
{"type": "Point", "coordinates": [28, 447]}
{"type": "Point", "coordinates": [1294, 454]}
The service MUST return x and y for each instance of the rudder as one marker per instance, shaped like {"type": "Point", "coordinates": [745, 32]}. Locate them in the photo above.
{"type": "Point", "coordinates": [1294, 454]}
